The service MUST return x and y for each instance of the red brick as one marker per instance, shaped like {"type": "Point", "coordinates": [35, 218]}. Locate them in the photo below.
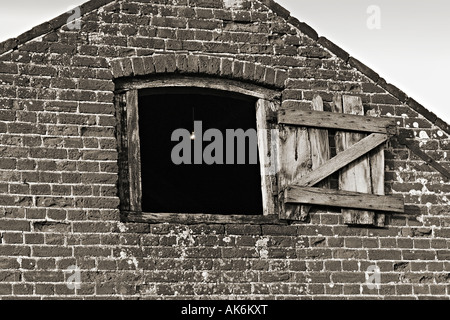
{"type": "Point", "coordinates": [38, 70]}
{"type": "Point", "coordinates": [52, 251]}
{"type": "Point", "coordinates": [5, 289]}
{"type": "Point", "coordinates": [14, 250]}
{"type": "Point", "coordinates": [317, 253]}
{"type": "Point", "coordinates": [6, 67]}
{"type": "Point", "coordinates": [45, 289]}
{"type": "Point", "coordinates": [353, 242]}
{"type": "Point", "coordinates": [92, 251]}
{"type": "Point", "coordinates": [239, 253]}
{"type": "Point", "coordinates": [13, 238]}
{"type": "Point", "coordinates": [39, 276]}
{"type": "Point", "coordinates": [349, 254]}
{"type": "Point", "coordinates": [384, 254]}
{"type": "Point", "coordinates": [23, 289]}
{"type": "Point", "coordinates": [279, 230]}
{"type": "Point", "coordinates": [14, 225]}
{"type": "Point", "coordinates": [243, 229]}
{"type": "Point", "coordinates": [169, 22]}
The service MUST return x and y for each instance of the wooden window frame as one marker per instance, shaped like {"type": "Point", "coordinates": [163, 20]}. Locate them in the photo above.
{"type": "Point", "coordinates": [130, 189]}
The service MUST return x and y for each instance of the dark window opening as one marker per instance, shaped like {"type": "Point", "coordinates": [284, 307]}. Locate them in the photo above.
{"type": "Point", "coordinates": [195, 188]}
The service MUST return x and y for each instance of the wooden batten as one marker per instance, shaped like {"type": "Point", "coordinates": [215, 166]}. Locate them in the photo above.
{"type": "Point", "coordinates": [340, 121]}
{"type": "Point", "coordinates": [345, 199]}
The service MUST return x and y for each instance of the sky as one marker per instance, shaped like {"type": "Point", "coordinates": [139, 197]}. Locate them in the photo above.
{"type": "Point", "coordinates": [405, 42]}
{"type": "Point", "coordinates": [411, 48]}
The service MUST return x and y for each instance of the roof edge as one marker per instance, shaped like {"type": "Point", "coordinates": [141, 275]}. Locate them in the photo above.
{"type": "Point", "coordinates": [48, 26]}
{"type": "Point", "coordinates": [86, 7]}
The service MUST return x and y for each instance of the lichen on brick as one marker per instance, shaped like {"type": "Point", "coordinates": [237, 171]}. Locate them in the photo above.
{"type": "Point", "coordinates": [261, 248]}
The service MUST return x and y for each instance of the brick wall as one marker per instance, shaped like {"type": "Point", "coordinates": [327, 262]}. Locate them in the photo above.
{"type": "Point", "coordinates": [58, 164]}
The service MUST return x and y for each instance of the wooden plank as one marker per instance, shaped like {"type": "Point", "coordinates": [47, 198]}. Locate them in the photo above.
{"type": "Point", "coordinates": [267, 154]}
{"type": "Point", "coordinates": [121, 135]}
{"type": "Point", "coordinates": [182, 218]}
{"type": "Point", "coordinates": [320, 146]}
{"type": "Point", "coordinates": [134, 155]}
{"type": "Point", "coordinates": [295, 162]}
{"type": "Point", "coordinates": [180, 81]}
{"type": "Point", "coordinates": [320, 151]}
{"type": "Point", "coordinates": [323, 119]}
{"type": "Point", "coordinates": [342, 159]}
{"type": "Point", "coordinates": [356, 176]}
{"type": "Point", "coordinates": [376, 162]}
{"type": "Point", "coordinates": [345, 199]}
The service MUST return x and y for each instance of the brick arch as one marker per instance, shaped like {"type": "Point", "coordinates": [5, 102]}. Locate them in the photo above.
{"type": "Point", "coordinates": [223, 67]}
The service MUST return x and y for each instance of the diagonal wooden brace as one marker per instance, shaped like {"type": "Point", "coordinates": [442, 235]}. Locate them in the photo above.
{"type": "Point", "coordinates": [342, 159]}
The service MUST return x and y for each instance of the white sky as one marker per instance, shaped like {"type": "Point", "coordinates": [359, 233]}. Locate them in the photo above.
{"type": "Point", "coordinates": [410, 50]}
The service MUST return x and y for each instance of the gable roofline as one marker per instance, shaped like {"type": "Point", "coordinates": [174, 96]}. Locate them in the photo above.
{"type": "Point", "coordinates": [61, 20]}
{"type": "Point", "coordinates": [46, 27]}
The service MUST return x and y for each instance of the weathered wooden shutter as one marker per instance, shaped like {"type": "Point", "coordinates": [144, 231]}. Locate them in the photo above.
{"type": "Point", "coordinates": [126, 104]}
{"type": "Point", "coordinates": [305, 162]}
